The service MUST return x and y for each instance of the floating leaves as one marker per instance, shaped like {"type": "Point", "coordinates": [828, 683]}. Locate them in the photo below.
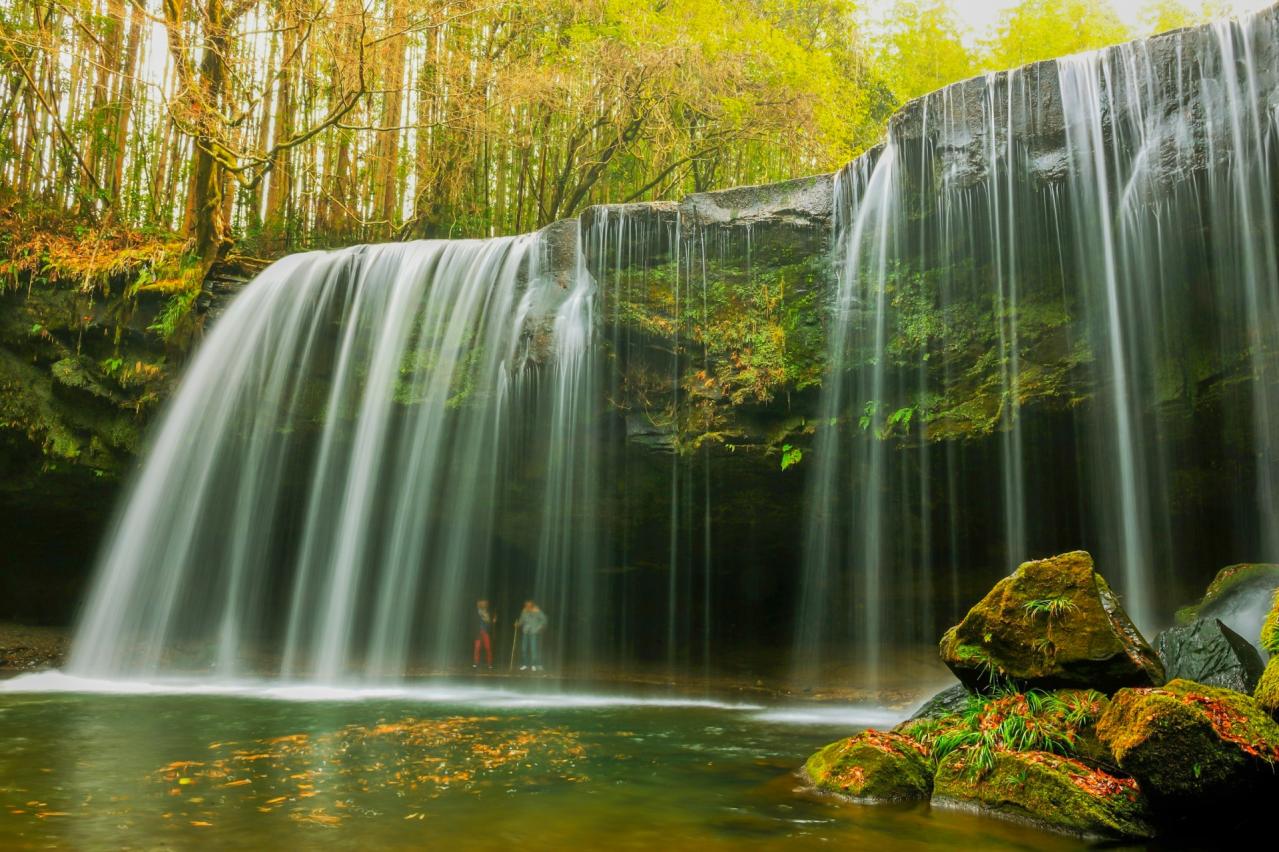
{"type": "Point", "coordinates": [324, 779]}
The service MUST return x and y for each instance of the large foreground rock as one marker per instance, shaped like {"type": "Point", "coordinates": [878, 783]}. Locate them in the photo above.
{"type": "Point", "coordinates": [1200, 753]}
{"type": "Point", "coordinates": [1047, 790]}
{"type": "Point", "coordinates": [872, 766]}
{"type": "Point", "coordinates": [1207, 651]}
{"type": "Point", "coordinates": [1053, 624]}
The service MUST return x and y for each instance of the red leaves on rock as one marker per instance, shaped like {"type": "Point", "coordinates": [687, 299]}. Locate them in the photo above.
{"type": "Point", "coordinates": [1092, 781]}
{"type": "Point", "coordinates": [1232, 726]}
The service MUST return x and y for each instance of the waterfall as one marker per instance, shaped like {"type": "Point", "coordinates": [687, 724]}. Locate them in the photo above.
{"type": "Point", "coordinates": [322, 497]}
{"type": "Point", "coordinates": [820, 416]}
{"type": "Point", "coordinates": [1104, 221]}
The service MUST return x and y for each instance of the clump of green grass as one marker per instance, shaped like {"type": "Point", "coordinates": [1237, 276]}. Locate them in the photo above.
{"type": "Point", "coordinates": [1053, 608]}
{"type": "Point", "coordinates": [1006, 721]}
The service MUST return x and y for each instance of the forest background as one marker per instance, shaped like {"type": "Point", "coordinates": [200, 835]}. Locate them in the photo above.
{"type": "Point", "coordinates": [180, 130]}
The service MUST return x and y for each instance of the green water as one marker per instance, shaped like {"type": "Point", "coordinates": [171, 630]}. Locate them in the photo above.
{"type": "Point", "coordinates": [494, 772]}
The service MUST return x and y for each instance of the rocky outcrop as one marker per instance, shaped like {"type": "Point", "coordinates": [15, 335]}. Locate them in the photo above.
{"type": "Point", "coordinates": [948, 702]}
{"type": "Point", "coordinates": [1207, 651]}
{"type": "Point", "coordinates": [1047, 790]}
{"type": "Point", "coordinates": [1054, 623]}
{"type": "Point", "coordinates": [1201, 754]}
{"type": "Point", "coordinates": [961, 124]}
{"type": "Point", "coordinates": [1230, 589]}
{"type": "Point", "coordinates": [872, 766]}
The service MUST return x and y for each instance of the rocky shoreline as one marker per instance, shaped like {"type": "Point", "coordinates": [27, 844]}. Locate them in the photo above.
{"type": "Point", "coordinates": [25, 649]}
{"type": "Point", "coordinates": [1067, 718]}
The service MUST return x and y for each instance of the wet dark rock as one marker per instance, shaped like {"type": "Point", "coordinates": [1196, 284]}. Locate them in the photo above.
{"type": "Point", "coordinates": [949, 701]}
{"type": "Point", "coordinates": [1202, 754]}
{"type": "Point", "coordinates": [1055, 623]}
{"type": "Point", "coordinates": [1207, 651]}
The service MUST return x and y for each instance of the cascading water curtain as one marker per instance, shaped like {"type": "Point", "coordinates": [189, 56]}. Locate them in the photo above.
{"type": "Point", "coordinates": [345, 469]}
{"type": "Point", "coordinates": [1055, 328]}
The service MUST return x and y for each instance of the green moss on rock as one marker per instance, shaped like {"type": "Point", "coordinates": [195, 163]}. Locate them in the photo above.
{"type": "Point", "coordinates": [1053, 624]}
{"type": "Point", "coordinates": [1270, 628]}
{"type": "Point", "coordinates": [1267, 692]}
{"type": "Point", "coordinates": [1200, 753]}
{"type": "Point", "coordinates": [873, 766]}
{"type": "Point", "coordinates": [1048, 790]}
{"type": "Point", "coordinates": [1227, 581]}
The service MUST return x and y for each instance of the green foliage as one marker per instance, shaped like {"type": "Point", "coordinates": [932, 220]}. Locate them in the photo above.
{"type": "Point", "coordinates": [791, 456]}
{"type": "Point", "coordinates": [1011, 721]}
{"type": "Point", "coordinates": [748, 332]}
{"type": "Point", "coordinates": [1034, 30]}
{"type": "Point", "coordinates": [171, 316]}
{"type": "Point", "coordinates": [922, 48]}
{"type": "Point", "coordinates": [1053, 608]}
{"type": "Point", "coordinates": [868, 415]}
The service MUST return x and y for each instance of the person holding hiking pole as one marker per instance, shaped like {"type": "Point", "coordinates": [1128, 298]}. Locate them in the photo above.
{"type": "Point", "coordinates": [531, 623]}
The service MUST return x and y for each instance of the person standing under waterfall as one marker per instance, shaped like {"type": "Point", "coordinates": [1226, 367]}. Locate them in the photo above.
{"type": "Point", "coordinates": [483, 640]}
{"type": "Point", "coordinates": [531, 623]}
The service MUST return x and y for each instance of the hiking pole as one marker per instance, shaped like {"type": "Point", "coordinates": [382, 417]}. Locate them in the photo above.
{"type": "Point", "coordinates": [515, 634]}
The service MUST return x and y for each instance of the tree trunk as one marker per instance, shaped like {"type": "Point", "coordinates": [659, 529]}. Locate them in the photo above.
{"type": "Point", "coordinates": [387, 209]}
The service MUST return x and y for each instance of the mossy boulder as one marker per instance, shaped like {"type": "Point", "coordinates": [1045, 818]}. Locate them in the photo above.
{"type": "Point", "coordinates": [873, 766]}
{"type": "Point", "coordinates": [1207, 651]}
{"type": "Point", "coordinates": [1055, 623]}
{"type": "Point", "coordinates": [1047, 790]}
{"type": "Point", "coordinates": [1270, 628]}
{"type": "Point", "coordinates": [1231, 582]}
{"type": "Point", "coordinates": [1201, 754]}
{"type": "Point", "coordinates": [1267, 691]}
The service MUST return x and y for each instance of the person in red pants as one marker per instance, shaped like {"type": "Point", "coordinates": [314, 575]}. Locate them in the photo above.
{"type": "Point", "coordinates": [484, 624]}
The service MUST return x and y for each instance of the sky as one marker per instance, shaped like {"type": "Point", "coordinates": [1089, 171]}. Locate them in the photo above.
{"type": "Point", "coordinates": [981, 15]}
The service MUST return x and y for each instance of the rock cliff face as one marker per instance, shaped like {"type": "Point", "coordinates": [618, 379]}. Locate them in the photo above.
{"type": "Point", "coordinates": [83, 369]}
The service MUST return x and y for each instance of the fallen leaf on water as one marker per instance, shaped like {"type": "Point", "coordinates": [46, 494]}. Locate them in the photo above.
{"type": "Point", "coordinates": [317, 816]}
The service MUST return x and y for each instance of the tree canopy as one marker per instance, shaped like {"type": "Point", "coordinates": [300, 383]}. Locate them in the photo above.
{"type": "Point", "coordinates": [285, 124]}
